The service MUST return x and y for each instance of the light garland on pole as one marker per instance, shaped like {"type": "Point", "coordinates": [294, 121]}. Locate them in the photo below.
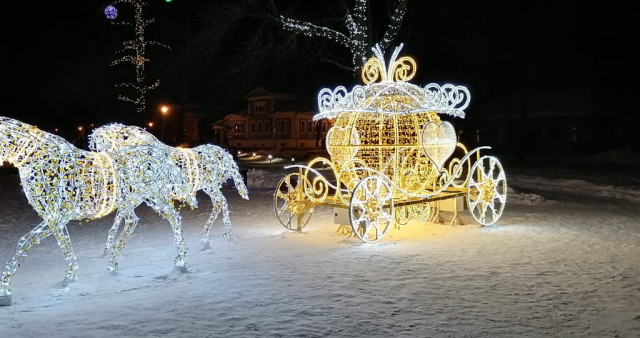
{"type": "Point", "coordinates": [135, 53]}
{"type": "Point", "coordinates": [64, 183]}
{"type": "Point", "coordinates": [206, 166]}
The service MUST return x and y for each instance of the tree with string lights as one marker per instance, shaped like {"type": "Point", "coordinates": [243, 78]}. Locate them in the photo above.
{"type": "Point", "coordinates": [134, 52]}
{"type": "Point", "coordinates": [358, 37]}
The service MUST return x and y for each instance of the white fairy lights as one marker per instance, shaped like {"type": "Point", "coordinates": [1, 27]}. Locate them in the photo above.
{"type": "Point", "coordinates": [64, 183]}
{"type": "Point", "coordinates": [206, 166]}
{"type": "Point", "coordinates": [357, 38]}
{"type": "Point", "coordinates": [134, 52]}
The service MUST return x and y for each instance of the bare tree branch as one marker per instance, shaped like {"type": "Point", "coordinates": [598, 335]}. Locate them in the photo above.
{"type": "Point", "coordinates": [358, 27]}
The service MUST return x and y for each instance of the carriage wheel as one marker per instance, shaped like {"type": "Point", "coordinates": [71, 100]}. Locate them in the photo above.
{"type": "Point", "coordinates": [290, 201]}
{"type": "Point", "coordinates": [487, 191]}
{"type": "Point", "coordinates": [371, 209]}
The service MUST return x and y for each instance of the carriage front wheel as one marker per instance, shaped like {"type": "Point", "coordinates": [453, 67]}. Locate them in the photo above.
{"type": "Point", "coordinates": [487, 190]}
{"type": "Point", "coordinates": [291, 203]}
{"type": "Point", "coordinates": [371, 209]}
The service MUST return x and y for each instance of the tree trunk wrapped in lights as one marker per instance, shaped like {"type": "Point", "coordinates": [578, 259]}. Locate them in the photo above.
{"type": "Point", "coordinates": [64, 183]}
{"type": "Point", "coordinates": [392, 155]}
{"type": "Point", "coordinates": [206, 167]}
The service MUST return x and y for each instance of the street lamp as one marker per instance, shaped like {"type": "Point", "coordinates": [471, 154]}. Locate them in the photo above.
{"type": "Point", "coordinates": [164, 109]}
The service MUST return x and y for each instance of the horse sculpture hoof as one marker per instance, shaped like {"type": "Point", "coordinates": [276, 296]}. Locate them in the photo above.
{"type": "Point", "coordinates": [206, 245]}
{"type": "Point", "coordinates": [182, 269]}
{"type": "Point", "coordinates": [67, 280]}
{"type": "Point", "coordinates": [5, 300]}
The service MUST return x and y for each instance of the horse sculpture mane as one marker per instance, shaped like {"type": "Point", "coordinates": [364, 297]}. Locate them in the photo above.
{"type": "Point", "coordinates": [63, 183]}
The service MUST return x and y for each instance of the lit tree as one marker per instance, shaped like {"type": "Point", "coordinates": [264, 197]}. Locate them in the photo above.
{"type": "Point", "coordinates": [358, 38]}
{"type": "Point", "coordinates": [134, 52]}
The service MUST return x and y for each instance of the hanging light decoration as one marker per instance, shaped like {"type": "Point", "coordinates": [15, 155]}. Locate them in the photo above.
{"type": "Point", "coordinates": [111, 12]}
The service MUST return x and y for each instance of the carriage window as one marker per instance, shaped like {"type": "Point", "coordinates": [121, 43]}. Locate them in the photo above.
{"type": "Point", "coordinates": [303, 123]}
{"type": "Point", "coordinates": [238, 128]}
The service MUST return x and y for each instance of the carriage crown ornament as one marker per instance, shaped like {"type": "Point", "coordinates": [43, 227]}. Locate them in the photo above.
{"type": "Point", "coordinates": [392, 156]}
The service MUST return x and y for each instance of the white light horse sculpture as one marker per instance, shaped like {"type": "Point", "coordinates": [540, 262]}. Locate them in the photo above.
{"type": "Point", "coordinates": [64, 183]}
{"type": "Point", "coordinates": [206, 166]}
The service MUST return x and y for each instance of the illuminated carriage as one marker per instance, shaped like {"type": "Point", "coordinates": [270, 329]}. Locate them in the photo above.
{"type": "Point", "coordinates": [392, 156]}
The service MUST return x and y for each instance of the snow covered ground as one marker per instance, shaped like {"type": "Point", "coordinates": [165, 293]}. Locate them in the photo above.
{"type": "Point", "coordinates": [564, 260]}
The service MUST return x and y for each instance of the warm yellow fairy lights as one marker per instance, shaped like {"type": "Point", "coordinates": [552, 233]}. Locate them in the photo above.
{"type": "Point", "coordinates": [64, 183]}
{"type": "Point", "coordinates": [206, 166]}
{"type": "Point", "coordinates": [391, 155]}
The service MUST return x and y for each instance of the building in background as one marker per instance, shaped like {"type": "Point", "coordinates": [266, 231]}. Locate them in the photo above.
{"type": "Point", "coordinates": [275, 122]}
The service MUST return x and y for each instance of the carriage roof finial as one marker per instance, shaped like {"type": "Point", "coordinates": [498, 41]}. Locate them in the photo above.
{"type": "Point", "coordinates": [397, 70]}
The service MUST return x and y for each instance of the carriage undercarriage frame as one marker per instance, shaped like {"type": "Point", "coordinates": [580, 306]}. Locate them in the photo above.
{"type": "Point", "coordinates": [375, 202]}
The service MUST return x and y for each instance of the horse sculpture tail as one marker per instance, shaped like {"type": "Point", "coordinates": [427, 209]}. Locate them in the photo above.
{"type": "Point", "coordinates": [238, 181]}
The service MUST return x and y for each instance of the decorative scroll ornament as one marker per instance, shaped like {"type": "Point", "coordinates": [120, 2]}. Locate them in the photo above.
{"type": "Point", "coordinates": [386, 90]}
{"type": "Point", "coordinates": [207, 167]}
{"type": "Point", "coordinates": [401, 70]}
{"type": "Point", "coordinates": [64, 183]}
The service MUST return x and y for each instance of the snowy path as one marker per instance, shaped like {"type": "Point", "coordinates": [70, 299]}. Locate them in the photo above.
{"type": "Point", "coordinates": [557, 266]}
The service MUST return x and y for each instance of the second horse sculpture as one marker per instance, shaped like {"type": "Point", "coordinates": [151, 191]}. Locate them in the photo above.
{"type": "Point", "coordinates": [206, 166]}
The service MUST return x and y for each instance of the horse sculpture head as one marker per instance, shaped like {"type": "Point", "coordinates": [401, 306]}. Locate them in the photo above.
{"type": "Point", "coordinates": [113, 136]}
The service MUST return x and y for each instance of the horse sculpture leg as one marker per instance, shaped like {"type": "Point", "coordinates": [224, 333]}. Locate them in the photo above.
{"type": "Point", "coordinates": [40, 232]}
{"type": "Point", "coordinates": [111, 237]}
{"type": "Point", "coordinates": [64, 242]}
{"type": "Point", "coordinates": [130, 222]}
{"type": "Point", "coordinates": [167, 210]}
{"type": "Point", "coordinates": [219, 203]}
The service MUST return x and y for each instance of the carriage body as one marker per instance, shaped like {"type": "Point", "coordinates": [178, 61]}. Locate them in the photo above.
{"type": "Point", "coordinates": [392, 156]}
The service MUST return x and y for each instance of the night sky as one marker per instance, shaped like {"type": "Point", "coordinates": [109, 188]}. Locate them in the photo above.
{"type": "Point", "coordinates": [57, 58]}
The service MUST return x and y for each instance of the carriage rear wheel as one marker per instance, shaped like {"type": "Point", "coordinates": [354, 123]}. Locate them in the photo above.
{"type": "Point", "coordinates": [290, 202]}
{"type": "Point", "coordinates": [487, 190]}
{"type": "Point", "coordinates": [371, 209]}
